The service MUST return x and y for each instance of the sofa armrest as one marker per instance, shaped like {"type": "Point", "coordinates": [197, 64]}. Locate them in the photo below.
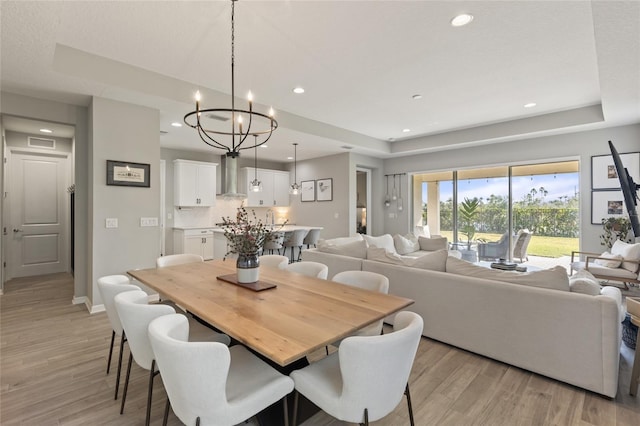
{"type": "Point", "coordinates": [615, 294]}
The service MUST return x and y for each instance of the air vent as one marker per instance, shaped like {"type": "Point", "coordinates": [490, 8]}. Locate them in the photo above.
{"type": "Point", "coordinates": [216, 117]}
{"type": "Point", "coordinates": [42, 143]}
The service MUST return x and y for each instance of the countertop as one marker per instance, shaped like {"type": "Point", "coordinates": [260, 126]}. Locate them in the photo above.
{"type": "Point", "coordinates": [216, 228]}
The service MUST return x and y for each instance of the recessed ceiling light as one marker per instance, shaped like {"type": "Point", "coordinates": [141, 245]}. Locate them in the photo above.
{"type": "Point", "coordinates": [406, 130]}
{"type": "Point", "coordinates": [417, 97]}
{"type": "Point", "coordinates": [461, 20]}
{"type": "Point", "coordinates": [530, 105]}
{"type": "Point", "coordinates": [298, 90]}
{"type": "Point", "coordinates": [176, 124]}
{"type": "Point", "coordinates": [46, 130]}
{"type": "Point", "coordinates": [289, 158]}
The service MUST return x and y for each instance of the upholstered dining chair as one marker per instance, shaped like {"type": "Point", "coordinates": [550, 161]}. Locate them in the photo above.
{"type": "Point", "coordinates": [310, 269]}
{"type": "Point", "coordinates": [178, 259]}
{"type": "Point", "coordinates": [109, 286]}
{"type": "Point", "coordinates": [210, 383]}
{"type": "Point", "coordinates": [294, 239]}
{"type": "Point", "coordinates": [136, 314]}
{"type": "Point", "coordinates": [366, 378]}
{"type": "Point", "coordinates": [274, 261]}
{"type": "Point", "coordinates": [368, 281]}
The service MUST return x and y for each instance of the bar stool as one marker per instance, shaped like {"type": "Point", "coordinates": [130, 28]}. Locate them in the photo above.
{"type": "Point", "coordinates": [312, 237]}
{"type": "Point", "coordinates": [294, 239]}
{"type": "Point", "coordinates": [275, 242]}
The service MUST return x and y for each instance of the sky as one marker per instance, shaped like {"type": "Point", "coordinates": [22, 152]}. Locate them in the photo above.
{"type": "Point", "coordinates": [563, 184]}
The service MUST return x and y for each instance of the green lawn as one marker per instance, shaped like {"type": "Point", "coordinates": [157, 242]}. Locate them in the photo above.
{"type": "Point", "coordinates": [538, 246]}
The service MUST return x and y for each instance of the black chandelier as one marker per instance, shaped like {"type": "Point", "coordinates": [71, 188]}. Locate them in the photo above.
{"type": "Point", "coordinates": [238, 132]}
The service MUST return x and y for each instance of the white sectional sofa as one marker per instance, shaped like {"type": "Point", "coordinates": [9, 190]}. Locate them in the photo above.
{"type": "Point", "coordinates": [531, 320]}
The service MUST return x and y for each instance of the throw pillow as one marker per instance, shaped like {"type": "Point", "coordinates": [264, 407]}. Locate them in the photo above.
{"type": "Point", "coordinates": [405, 243]}
{"type": "Point", "coordinates": [354, 249]}
{"type": "Point", "coordinates": [432, 244]}
{"type": "Point", "coordinates": [342, 240]}
{"type": "Point", "coordinates": [584, 282]}
{"type": "Point", "coordinates": [627, 251]}
{"type": "Point", "coordinates": [436, 261]}
{"type": "Point", "coordinates": [383, 241]}
{"type": "Point", "coordinates": [554, 278]}
{"type": "Point", "coordinates": [610, 260]}
{"type": "Point", "coordinates": [383, 255]}
{"type": "Point", "coordinates": [422, 231]}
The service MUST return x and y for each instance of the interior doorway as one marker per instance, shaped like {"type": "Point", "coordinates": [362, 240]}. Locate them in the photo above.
{"type": "Point", "coordinates": [363, 201]}
{"type": "Point", "coordinates": [37, 210]}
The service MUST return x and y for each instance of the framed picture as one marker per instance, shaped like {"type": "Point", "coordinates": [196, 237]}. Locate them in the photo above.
{"type": "Point", "coordinates": [324, 189]}
{"type": "Point", "coordinates": [606, 204]}
{"type": "Point", "coordinates": [122, 173]}
{"type": "Point", "coordinates": [603, 171]}
{"type": "Point", "coordinates": [308, 190]}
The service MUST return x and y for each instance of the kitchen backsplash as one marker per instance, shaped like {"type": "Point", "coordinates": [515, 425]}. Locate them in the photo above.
{"type": "Point", "coordinates": [210, 216]}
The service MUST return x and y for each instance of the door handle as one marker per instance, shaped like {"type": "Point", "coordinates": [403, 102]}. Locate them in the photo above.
{"type": "Point", "coordinates": [17, 230]}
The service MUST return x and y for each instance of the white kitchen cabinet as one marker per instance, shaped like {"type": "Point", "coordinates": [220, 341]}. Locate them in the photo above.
{"type": "Point", "coordinates": [220, 246]}
{"type": "Point", "coordinates": [275, 187]}
{"type": "Point", "coordinates": [194, 183]}
{"type": "Point", "coordinates": [194, 241]}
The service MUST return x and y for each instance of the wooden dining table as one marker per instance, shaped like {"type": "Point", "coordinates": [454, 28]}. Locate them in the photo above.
{"type": "Point", "coordinates": [284, 324]}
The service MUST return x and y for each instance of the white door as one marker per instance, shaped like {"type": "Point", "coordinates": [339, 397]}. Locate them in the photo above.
{"type": "Point", "coordinates": [38, 211]}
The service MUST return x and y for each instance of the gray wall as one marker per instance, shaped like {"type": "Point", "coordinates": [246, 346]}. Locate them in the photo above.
{"type": "Point", "coordinates": [122, 132]}
{"type": "Point", "coordinates": [580, 146]}
{"type": "Point", "coordinates": [40, 109]}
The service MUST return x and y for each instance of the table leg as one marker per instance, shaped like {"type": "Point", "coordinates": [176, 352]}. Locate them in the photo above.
{"type": "Point", "coordinates": [635, 373]}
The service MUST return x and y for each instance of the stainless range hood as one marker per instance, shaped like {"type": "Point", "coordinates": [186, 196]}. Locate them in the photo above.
{"type": "Point", "coordinates": [230, 166]}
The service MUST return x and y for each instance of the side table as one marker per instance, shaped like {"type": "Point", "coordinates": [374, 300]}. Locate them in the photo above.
{"type": "Point", "coordinates": [635, 372]}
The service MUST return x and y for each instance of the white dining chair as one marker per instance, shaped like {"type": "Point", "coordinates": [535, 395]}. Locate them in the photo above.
{"type": "Point", "coordinates": [310, 269]}
{"type": "Point", "coordinates": [274, 261]}
{"type": "Point", "coordinates": [178, 259]}
{"type": "Point", "coordinates": [368, 281]}
{"type": "Point", "coordinates": [210, 383]}
{"type": "Point", "coordinates": [366, 378]}
{"type": "Point", "coordinates": [109, 286]}
{"type": "Point", "coordinates": [136, 313]}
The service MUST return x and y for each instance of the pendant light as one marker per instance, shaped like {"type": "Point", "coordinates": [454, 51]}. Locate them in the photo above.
{"type": "Point", "coordinates": [295, 188]}
{"type": "Point", "coordinates": [387, 201]}
{"type": "Point", "coordinates": [255, 185]}
{"type": "Point", "coordinates": [394, 196]}
{"type": "Point", "coordinates": [400, 206]}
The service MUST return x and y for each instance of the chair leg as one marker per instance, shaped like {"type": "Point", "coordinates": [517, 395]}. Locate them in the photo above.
{"type": "Point", "coordinates": [113, 338]}
{"type": "Point", "coordinates": [299, 253]}
{"type": "Point", "coordinates": [326, 349]}
{"type": "Point", "coordinates": [123, 339]}
{"type": "Point", "coordinates": [166, 412]}
{"type": "Point", "coordinates": [286, 410]}
{"type": "Point", "coordinates": [294, 421]}
{"type": "Point", "coordinates": [152, 374]}
{"type": "Point", "coordinates": [126, 384]}
{"type": "Point", "coordinates": [406, 392]}
{"type": "Point", "coordinates": [366, 417]}
{"type": "Point", "coordinates": [198, 421]}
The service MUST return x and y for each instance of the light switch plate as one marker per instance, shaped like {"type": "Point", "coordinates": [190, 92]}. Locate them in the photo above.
{"type": "Point", "coordinates": [111, 222]}
{"type": "Point", "coordinates": [148, 221]}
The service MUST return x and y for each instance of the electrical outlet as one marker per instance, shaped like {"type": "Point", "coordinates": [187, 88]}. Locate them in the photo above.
{"type": "Point", "coordinates": [111, 222]}
{"type": "Point", "coordinates": [148, 221]}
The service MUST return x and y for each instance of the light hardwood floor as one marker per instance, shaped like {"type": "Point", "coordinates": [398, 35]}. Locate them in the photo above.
{"type": "Point", "coordinates": [53, 361]}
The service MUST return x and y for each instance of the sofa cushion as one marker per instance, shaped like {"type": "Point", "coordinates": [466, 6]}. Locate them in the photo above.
{"type": "Point", "coordinates": [341, 240]}
{"type": "Point", "coordinates": [584, 282]}
{"type": "Point", "coordinates": [554, 278]}
{"type": "Point", "coordinates": [405, 243]}
{"type": "Point", "coordinates": [434, 261]}
{"type": "Point", "coordinates": [432, 244]}
{"type": "Point", "coordinates": [610, 260]}
{"type": "Point", "coordinates": [383, 241]}
{"type": "Point", "coordinates": [354, 249]}
{"type": "Point", "coordinates": [627, 251]}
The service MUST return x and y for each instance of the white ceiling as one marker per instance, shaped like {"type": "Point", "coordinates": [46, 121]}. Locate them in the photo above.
{"type": "Point", "coordinates": [359, 61]}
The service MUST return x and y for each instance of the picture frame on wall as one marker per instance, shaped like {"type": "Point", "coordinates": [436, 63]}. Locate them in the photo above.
{"type": "Point", "coordinates": [606, 204]}
{"type": "Point", "coordinates": [123, 173]}
{"type": "Point", "coordinates": [308, 190]}
{"type": "Point", "coordinates": [603, 171]}
{"type": "Point", "coordinates": [324, 189]}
